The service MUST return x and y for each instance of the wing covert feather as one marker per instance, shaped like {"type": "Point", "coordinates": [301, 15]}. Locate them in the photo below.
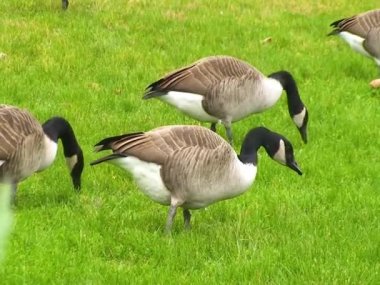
{"type": "Point", "coordinates": [158, 144]}
{"type": "Point", "coordinates": [15, 125]}
{"type": "Point", "coordinates": [199, 76]}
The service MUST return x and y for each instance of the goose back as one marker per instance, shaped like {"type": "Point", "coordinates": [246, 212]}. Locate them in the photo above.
{"type": "Point", "coordinates": [200, 76]}
{"type": "Point", "coordinates": [156, 145]}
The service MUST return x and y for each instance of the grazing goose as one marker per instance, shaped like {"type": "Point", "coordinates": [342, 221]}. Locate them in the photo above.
{"type": "Point", "coordinates": [191, 166]}
{"type": "Point", "coordinates": [226, 89]}
{"type": "Point", "coordinates": [361, 32]}
{"type": "Point", "coordinates": [27, 147]}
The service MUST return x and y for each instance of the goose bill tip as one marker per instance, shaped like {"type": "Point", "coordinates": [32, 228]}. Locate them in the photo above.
{"type": "Point", "coordinates": [294, 166]}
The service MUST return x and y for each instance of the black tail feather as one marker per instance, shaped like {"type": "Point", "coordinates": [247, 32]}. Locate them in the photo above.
{"type": "Point", "coordinates": [106, 158]}
{"type": "Point", "coordinates": [105, 143]}
{"type": "Point", "coordinates": [334, 32]}
{"type": "Point", "coordinates": [336, 23]}
{"type": "Point", "coordinates": [152, 94]}
{"type": "Point", "coordinates": [153, 90]}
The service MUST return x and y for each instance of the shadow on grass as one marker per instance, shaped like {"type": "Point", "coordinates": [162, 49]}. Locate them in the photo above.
{"type": "Point", "coordinates": [27, 201]}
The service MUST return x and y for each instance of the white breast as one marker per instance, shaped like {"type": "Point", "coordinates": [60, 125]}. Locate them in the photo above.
{"type": "Point", "coordinates": [188, 103]}
{"type": "Point", "coordinates": [50, 151]}
{"type": "Point", "coordinates": [147, 176]}
{"type": "Point", "coordinates": [271, 92]}
{"type": "Point", "coordinates": [355, 42]}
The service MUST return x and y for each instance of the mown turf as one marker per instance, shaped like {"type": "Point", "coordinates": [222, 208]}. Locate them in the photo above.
{"type": "Point", "coordinates": [91, 64]}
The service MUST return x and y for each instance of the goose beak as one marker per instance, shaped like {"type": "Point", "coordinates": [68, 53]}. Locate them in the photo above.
{"type": "Point", "coordinates": [76, 170]}
{"type": "Point", "coordinates": [303, 132]}
{"type": "Point", "coordinates": [293, 165]}
{"type": "Point", "coordinates": [76, 182]}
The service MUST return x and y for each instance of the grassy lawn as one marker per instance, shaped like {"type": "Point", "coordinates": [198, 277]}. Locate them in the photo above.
{"type": "Point", "coordinates": [91, 64]}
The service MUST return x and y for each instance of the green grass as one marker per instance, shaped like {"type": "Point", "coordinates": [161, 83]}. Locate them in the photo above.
{"type": "Point", "coordinates": [91, 64]}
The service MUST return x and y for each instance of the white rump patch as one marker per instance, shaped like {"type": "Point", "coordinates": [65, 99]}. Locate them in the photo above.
{"type": "Point", "coordinates": [280, 155]}
{"type": "Point", "coordinates": [50, 152]}
{"type": "Point", "coordinates": [71, 161]}
{"type": "Point", "coordinates": [147, 176]}
{"type": "Point", "coordinates": [355, 42]}
{"type": "Point", "coordinates": [190, 104]}
{"type": "Point", "coordinates": [298, 119]}
{"type": "Point", "coordinates": [1, 162]}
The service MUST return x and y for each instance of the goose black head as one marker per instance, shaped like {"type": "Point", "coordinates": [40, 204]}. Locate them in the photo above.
{"type": "Point", "coordinates": [75, 164]}
{"type": "Point", "coordinates": [281, 150]}
{"type": "Point", "coordinates": [276, 145]}
{"type": "Point", "coordinates": [297, 110]}
{"type": "Point", "coordinates": [58, 128]}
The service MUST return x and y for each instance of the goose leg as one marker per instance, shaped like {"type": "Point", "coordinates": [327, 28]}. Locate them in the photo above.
{"type": "Point", "coordinates": [170, 219]}
{"type": "Point", "coordinates": [13, 194]}
{"type": "Point", "coordinates": [65, 4]}
{"type": "Point", "coordinates": [227, 125]}
{"type": "Point", "coordinates": [186, 218]}
{"type": "Point", "coordinates": [229, 135]}
{"type": "Point", "coordinates": [213, 127]}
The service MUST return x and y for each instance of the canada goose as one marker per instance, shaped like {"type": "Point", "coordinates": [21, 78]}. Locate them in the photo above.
{"type": "Point", "coordinates": [361, 32]}
{"type": "Point", "coordinates": [27, 147]}
{"type": "Point", "coordinates": [191, 166]}
{"type": "Point", "coordinates": [226, 89]}
{"type": "Point", "coordinates": [65, 4]}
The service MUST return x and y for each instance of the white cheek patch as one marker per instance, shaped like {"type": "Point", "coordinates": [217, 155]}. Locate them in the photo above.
{"type": "Point", "coordinates": [298, 119]}
{"type": "Point", "coordinates": [71, 161]}
{"type": "Point", "coordinates": [280, 155]}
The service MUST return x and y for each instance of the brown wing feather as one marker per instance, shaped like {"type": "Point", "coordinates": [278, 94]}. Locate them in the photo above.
{"type": "Point", "coordinates": [156, 145]}
{"type": "Point", "coordinates": [359, 24]}
{"type": "Point", "coordinates": [199, 76]}
{"type": "Point", "coordinates": [15, 125]}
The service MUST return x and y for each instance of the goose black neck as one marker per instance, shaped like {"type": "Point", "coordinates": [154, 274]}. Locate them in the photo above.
{"type": "Point", "coordinates": [295, 105]}
{"type": "Point", "coordinates": [58, 128]}
{"type": "Point", "coordinates": [254, 139]}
